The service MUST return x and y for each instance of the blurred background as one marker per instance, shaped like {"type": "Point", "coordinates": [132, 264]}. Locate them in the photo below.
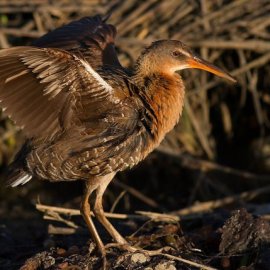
{"type": "Point", "coordinates": [218, 156]}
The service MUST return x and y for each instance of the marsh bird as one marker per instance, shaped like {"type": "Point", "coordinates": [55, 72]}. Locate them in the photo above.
{"type": "Point", "coordinates": [84, 115]}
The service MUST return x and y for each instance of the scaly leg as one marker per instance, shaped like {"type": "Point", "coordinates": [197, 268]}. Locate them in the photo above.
{"type": "Point", "coordinates": [99, 212]}
{"type": "Point", "coordinates": [91, 186]}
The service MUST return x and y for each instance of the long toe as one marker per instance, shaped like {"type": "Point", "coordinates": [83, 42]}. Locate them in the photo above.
{"type": "Point", "coordinates": [125, 246]}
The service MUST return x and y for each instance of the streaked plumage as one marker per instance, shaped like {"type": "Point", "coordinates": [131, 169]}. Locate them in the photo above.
{"type": "Point", "coordinates": [84, 115]}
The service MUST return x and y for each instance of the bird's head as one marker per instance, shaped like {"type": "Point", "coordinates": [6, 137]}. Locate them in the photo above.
{"type": "Point", "coordinates": [169, 56]}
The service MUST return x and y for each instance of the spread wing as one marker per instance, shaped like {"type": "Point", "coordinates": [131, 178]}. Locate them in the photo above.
{"type": "Point", "coordinates": [42, 89]}
{"type": "Point", "coordinates": [90, 37]}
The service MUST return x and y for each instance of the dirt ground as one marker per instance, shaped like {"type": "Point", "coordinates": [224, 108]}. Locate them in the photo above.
{"type": "Point", "coordinates": [208, 237]}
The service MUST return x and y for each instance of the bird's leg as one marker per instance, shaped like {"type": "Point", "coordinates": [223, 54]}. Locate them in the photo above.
{"type": "Point", "coordinates": [99, 212]}
{"type": "Point", "coordinates": [91, 186]}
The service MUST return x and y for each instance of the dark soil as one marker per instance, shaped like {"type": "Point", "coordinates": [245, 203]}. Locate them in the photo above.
{"type": "Point", "coordinates": [222, 239]}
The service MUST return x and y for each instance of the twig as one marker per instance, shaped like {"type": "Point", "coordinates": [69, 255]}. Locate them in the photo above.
{"type": "Point", "coordinates": [143, 215]}
{"type": "Point", "coordinates": [21, 33]}
{"type": "Point", "coordinates": [178, 258]}
{"type": "Point", "coordinates": [252, 45]}
{"type": "Point", "coordinates": [51, 215]}
{"type": "Point", "coordinates": [76, 212]}
{"type": "Point", "coordinates": [210, 205]}
{"type": "Point", "coordinates": [3, 41]}
{"type": "Point", "coordinates": [225, 9]}
{"type": "Point", "coordinates": [159, 252]}
{"type": "Point", "coordinates": [198, 265]}
{"type": "Point", "coordinates": [207, 166]}
{"type": "Point", "coordinates": [121, 195]}
{"type": "Point", "coordinates": [137, 194]}
{"type": "Point", "coordinates": [201, 136]}
{"type": "Point", "coordinates": [159, 216]}
{"type": "Point", "coordinates": [60, 230]}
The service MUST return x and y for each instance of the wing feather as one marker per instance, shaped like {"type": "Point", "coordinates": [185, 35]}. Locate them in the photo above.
{"type": "Point", "coordinates": [39, 85]}
{"type": "Point", "coordinates": [90, 37]}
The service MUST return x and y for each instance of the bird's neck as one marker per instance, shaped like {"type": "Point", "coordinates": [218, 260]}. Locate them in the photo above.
{"type": "Point", "coordinates": [164, 96]}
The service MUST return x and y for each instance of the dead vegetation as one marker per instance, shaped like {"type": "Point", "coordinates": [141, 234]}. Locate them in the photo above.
{"type": "Point", "coordinates": [215, 160]}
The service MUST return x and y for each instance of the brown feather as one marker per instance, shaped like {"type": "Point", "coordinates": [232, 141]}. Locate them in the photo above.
{"type": "Point", "coordinates": [89, 36]}
{"type": "Point", "coordinates": [47, 78]}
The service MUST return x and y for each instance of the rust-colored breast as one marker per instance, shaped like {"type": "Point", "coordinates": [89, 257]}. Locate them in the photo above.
{"type": "Point", "coordinates": [165, 96]}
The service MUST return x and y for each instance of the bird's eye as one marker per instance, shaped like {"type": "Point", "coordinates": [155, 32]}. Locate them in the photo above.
{"type": "Point", "coordinates": [176, 53]}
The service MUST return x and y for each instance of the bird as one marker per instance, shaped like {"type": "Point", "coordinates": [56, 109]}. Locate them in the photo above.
{"type": "Point", "coordinates": [84, 115]}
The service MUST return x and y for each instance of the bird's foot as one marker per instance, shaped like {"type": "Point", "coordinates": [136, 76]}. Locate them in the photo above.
{"type": "Point", "coordinates": [130, 248]}
{"type": "Point", "coordinates": [104, 263]}
{"type": "Point", "coordinates": [133, 250]}
{"type": "Point", "coordinates": [124, 246]}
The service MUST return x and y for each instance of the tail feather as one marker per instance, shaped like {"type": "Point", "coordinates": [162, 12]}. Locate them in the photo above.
{"type": "Point", "coordinates": [18, 177]}
{"type": "Point", "coordinates": [17, 173]}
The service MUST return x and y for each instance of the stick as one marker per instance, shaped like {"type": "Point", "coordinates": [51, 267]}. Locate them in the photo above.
{"type": "Point", "coordinates": [200, 134]}
{"type": "Point", "coordinates": [142, 215]}
{"type": "Point", "coordinates": [137, 194]}
{"type": "Point", "coordinates": [210, 205]}
{"type": "Point", "coordinates": [76, 212]}
{"type": "Point", "coordinates": [207, 166]}
{"type": "Point", "coordinates": [159, 216]}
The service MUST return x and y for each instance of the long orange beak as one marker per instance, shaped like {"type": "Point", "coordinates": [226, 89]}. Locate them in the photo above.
{"type": "Point", "coordinates": [199, 63]}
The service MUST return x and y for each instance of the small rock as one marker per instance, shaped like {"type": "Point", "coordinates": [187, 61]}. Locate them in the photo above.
{"type": "Point", "coordinates": [91, 247]}
{"type": "Point", "coordinates": [139, 258]}
{"type": "Point", "coordinates": [165, 266]}
{"type": "Point", "coordinates": [48, 262]}
{"type": "Point", "coordinates": [61, 251]}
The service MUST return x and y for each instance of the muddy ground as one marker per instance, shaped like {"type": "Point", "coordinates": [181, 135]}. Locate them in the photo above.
{"type": "Point", "coordinates": [222, 238]}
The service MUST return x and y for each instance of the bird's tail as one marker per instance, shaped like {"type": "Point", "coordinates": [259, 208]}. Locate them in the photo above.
{"type": "Point", "coordinates": [17, 177]}
{"type": "Point", "coordinates": [16, 173]}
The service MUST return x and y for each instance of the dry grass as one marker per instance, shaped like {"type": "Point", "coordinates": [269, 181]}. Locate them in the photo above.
{"type": "Point", "coordinates": [232, 34]}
